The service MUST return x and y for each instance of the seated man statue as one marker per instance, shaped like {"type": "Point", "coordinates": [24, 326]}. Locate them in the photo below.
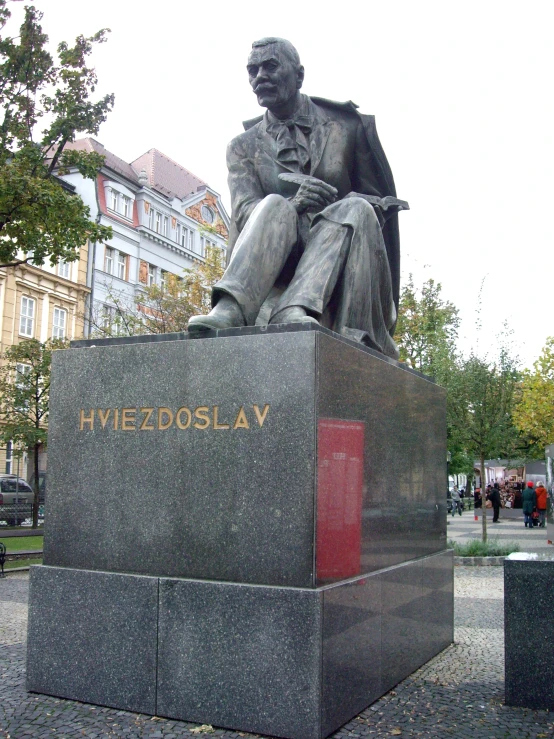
{"type": "Point", "coordinates": [314, 232]}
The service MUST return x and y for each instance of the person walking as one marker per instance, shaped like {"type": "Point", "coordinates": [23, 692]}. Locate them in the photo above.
{"type": "Point", "coordinates": [541, 496]}
{"type": "Point", "coordinates": [529, 501]}
{"type": "Point", "coordinates": [494, 497]}
{"type": "Point", "coordinates": [456, 502]}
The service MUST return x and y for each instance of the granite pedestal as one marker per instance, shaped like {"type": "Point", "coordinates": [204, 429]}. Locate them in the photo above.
{"type": "Point", "coordinates": [262, 510]}
{"type": "Point", "coordinates": [529, 630]}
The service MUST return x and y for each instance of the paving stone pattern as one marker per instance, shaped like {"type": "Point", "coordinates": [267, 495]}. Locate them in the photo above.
{"type": "Point", "coordinates": [510, 528]}
{"type": "Point", "coordinates": [460, 693]}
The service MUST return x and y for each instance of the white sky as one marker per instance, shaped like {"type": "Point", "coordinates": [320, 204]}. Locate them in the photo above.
{"type": "Point", "coordinates": [462, 92]}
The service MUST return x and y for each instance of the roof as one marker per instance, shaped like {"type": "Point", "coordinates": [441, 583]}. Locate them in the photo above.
{"type": "Point", "coordinates": [110, 160]}
{"type": "Point", "coordinates": [163, 174]}
{"type": "Point", "coordinates": [167, 176]}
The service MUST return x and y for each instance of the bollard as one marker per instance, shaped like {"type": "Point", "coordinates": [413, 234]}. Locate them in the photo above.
{"type": "Point", "coordinates": [2, 558]}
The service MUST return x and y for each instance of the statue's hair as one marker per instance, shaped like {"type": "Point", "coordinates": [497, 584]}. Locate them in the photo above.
{"type": "Point", "coordinates": [288, 49]}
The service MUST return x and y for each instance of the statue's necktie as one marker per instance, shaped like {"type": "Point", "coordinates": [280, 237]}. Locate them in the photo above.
{"type": "Point", "coordinates": [292, 141]}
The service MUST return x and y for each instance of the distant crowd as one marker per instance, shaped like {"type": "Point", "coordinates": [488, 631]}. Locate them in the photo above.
{"type": "Point", "coordinates": [533, 501]}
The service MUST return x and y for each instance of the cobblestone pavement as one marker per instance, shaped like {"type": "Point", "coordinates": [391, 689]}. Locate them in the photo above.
{"type": "Point", "coordinates": [510, 528]}
{"type": "Point", "coordinates": [458, 694]}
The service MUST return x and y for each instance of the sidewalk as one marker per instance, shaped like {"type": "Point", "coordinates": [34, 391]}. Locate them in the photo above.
{"type": "Point", "coordinates": [510, 528]}
{"type": "Point", "coordinates": [460, 693]}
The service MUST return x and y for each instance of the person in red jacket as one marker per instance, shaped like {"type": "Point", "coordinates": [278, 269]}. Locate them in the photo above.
{"type": "Point", "coordinates": [540, 492]}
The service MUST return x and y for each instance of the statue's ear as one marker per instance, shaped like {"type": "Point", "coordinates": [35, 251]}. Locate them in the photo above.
{"type": "Point", "coordinates": [299, 77]}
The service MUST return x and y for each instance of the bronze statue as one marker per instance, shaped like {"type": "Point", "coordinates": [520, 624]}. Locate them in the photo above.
{"type": "Point", "coordinates": [314, 232]}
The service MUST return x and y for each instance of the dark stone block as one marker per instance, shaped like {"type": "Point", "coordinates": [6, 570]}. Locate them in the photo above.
{"type": "Point", "coordinates": [242, 657]}
{"type": "Point", "coordinates": [349, 434]}
{"type": "Point", "coordinates": [403, 506]}
{"type": "Point", "coordinates": [214, 503]}
{"type": "Point", "coordinates": [351, 650]}
{"type": "Point", "coordinates": [92, 637]}
{"type": "Point", "coordinates": [529, 630]}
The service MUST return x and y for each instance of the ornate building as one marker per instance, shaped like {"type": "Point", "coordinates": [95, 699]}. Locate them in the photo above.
{"type": "Point", "coordinates": [162, 216]}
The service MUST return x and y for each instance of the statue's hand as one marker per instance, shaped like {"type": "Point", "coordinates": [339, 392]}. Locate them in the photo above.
{"type": "Point", "coordinates": [314, 196]}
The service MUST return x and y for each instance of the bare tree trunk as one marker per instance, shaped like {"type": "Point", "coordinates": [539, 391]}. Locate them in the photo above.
{"type": "Point", "coordinates": [483, 498]}
{"type": "Point", "coordinates": [36, 486]}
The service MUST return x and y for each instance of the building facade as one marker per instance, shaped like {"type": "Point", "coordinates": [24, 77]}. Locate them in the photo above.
{"type": "Point", "coordinates": [163, 217]}
{"type": "Point", "coordinates": [40, 303]}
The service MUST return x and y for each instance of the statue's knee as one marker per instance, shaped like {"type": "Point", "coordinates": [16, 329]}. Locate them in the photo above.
{"type": "Point", "coordinates": [277, 204]}
{"type": "Point", "coordinates": [363, 207]}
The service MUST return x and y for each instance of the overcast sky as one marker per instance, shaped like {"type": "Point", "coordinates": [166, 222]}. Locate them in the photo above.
{"type": "Point", "coordinates": [462, 93]}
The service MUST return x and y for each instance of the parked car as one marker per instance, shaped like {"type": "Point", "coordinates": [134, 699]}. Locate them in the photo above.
{"type": "Point", "coordinates": [16, 500]}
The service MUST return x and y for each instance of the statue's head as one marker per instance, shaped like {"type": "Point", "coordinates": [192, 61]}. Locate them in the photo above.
{"type": "Point", "coordinates": [274, 72]}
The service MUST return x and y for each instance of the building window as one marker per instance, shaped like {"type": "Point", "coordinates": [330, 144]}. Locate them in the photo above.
{"type": "Point", "coordinates": [164, 277]}
{"type": "Point", "coordinates": [63, 269]}
{"type": "Point", "coordinates": [108, 319]}
{"type": "Point", "coordinates": [166, 226]}
{"type": "Point", "coordinates": [126, 206]}
{"type": "Point", "coordinates": [178, 233]}
{"type": "Point", "coordinates": [59, 321]}
{"type": "Point", "coordinates": [21, 372]}
{"type": "Point", "coordinates": [115, 263]}
{"type": "Point", "coordinates": [152, 218]}
{"type": "Point", "coordinates": [27, 317]}
{"type": "Point", "coordinates": [207, 214]}
{"type": "Point", "coordinates": [114, 200]}
{"type": "Point", "coordinates": [108, 260]}
{"type": "Point", "coordinates": [151, 275]}
{"type": "Point", "coordinates": [121, 264]}
{"type": "Point", "coordinates": [158, 228]}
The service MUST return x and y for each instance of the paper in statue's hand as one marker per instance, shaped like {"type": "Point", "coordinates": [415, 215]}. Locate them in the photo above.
{"type": "Point", "coordinates": [313, 194]}
{"type": "Point", "coordinates": [298, 179]}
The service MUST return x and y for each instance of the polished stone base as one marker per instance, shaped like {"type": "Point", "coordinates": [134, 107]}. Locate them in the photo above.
{"type": "Point", "coordinates": [529, 630]}
{"type": "Point", "coordinates": [289, 662]}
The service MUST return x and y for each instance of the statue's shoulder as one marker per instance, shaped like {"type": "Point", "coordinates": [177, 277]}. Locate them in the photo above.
{"type": "Point", "coordinates": [346, 109]}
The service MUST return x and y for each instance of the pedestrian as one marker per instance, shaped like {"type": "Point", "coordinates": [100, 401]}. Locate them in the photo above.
{"type": "Point", "coordinates": [529, 502]}
{"type": "Point", "coordinates": [541, 496]}
{"type": "Point", "coordinates": [456, 502]}
{"type": "Point", "coordinates": [494, 497]}
{"type": "Point", "coordinates": [477, 500]}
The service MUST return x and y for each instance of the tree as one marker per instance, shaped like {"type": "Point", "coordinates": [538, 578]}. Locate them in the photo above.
{"type": "Point", "coordinates": [427, 328]}
{"type": "Point", "coordinates": [161, 309]}
{"type": "Point", "coordinates": [534, 412]}
{"type": "Point", "coordinates": [24, 399]}
{"type": "Point", "coordinates": [483, 399]}
{"type": "Point", "coordinates": [40, 218]}
{"type": "Point", "coordinates": [426, 334]}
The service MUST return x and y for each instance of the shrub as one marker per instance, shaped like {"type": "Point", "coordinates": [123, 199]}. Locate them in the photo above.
{"type": "Point", "coordinates": [478, 548]}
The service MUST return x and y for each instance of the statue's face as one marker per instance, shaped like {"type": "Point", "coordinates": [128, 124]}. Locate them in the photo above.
{"type": "Point", "coordinates": [272, 76]}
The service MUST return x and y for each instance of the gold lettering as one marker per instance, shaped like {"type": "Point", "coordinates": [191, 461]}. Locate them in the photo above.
{"type": "Point", "coordinates": [115, 418]}
{"type": "Point", "coordinates": [128, 419]}
{"type": "Point", "coordinates": [143, 425]}
{"type": "Point", "coordinates": [261, 416]}
{"type": "Point", "coordinates": [216, 424]}
{"type": "Point", "coordinates": [103, 416]}
{"type": "Point", "coordinates": [86, 419]}
{"type": "Point", "coordinates": [178, 421]}
{"type": "Point", "coordinates": [164, 412]}
{"type": "Point", "coordinates": [241, 422]}
{"type": "Point", "coordinates": [202, 413]}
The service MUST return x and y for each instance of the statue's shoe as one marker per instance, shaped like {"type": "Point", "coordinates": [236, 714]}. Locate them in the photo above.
{"type": "Point", "coordinates": [226, 314]}
{"type": "Point", "coordinates": [294, 314]}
